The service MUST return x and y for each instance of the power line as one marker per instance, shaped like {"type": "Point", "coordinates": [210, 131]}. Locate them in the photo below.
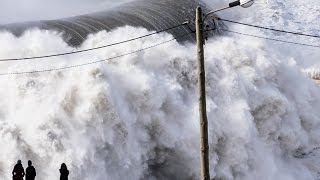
{"type": "Point", "coordinates": [94, 62]}
{"type": "Point", "coordinates": [267, 28]}
{"type": "Point", "coordinates": [90, 49]}
{"type": "Point", "coordinates": [272, 39]}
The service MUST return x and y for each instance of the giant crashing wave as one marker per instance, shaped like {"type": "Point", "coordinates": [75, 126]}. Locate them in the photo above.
{"type": "Point", "coordinates": [263, 109]}
{"type": "Point", "coordinates": [150, 14]}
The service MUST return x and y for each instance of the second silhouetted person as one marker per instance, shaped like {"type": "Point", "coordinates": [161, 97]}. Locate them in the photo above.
{"type": "Point", "coordinates": [30, 171]}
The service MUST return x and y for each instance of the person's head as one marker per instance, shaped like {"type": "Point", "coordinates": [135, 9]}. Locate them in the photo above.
{"type": "Point", "coordinates": [63, 166]}
{"type": "Point", "coordinates": [19, 161]}
{"type": "Point", "coordinates": [29, 163]}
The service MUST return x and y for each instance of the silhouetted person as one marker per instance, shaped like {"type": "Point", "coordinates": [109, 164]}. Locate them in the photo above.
{"type": "Point", "coordinates": [18, 171]}
{"type": "Point", "coordinates": [30, 171]}
{"type": "Point", "coordinates": [64, 172]}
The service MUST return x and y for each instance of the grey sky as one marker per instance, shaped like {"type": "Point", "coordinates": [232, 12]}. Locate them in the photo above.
{"type": "Point", "coordinates": [12, 11]}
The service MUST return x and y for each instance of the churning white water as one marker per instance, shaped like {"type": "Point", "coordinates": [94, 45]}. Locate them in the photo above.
{"type": "Point", "coordinates": [136, 117]}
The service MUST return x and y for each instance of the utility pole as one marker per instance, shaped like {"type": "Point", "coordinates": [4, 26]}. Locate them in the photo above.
{"type": "Point", "coordinates": [204, 145]}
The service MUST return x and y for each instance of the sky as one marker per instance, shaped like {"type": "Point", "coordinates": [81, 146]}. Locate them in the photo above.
{"type": "Point", "coordinates": [12, 11]}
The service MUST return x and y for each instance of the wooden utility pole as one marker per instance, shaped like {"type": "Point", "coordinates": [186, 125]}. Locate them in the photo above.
{"type": "Point", "coordinates": [204, 146]}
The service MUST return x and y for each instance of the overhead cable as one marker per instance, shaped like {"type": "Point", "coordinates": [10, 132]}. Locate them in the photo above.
{"type": "Point", "coordinates": [268, 28]}
{"type": "Point", "coordinates": [93, 62]}
{"type": "Point", "coordinates": [90, 49]}
{"type": "Point", "coordinates": [272, 39]}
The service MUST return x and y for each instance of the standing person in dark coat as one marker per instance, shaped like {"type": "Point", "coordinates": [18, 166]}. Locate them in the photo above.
{"type": "Point", "coordinates": [30, 171]}
{"type": "Point", "coordinates": [18, 171]}
{"type": "Point", "coordinates": [64, 172]}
